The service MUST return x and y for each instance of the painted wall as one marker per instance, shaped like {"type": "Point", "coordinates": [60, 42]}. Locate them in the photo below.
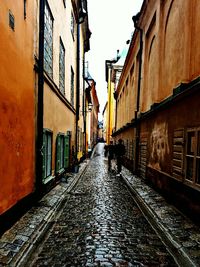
{"type": "Point", "coordinates": [110, 109]}
{"type": "Point", "coordinates": [57, 118]}
{"type": "Point", "coordinates": [17, 124]}
{"type": "Point", "coordinates": [171, 57]}
{"type": "Point", "coordinates": [127, 87]}
{"type": "Point", "coordinates": [59, 114]}
{"type": "Point", "coordinates": [166, 151]}
{"type": "Point", "coordinates": [161, 21]}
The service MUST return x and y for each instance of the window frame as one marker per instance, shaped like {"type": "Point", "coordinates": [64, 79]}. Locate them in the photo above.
{"type": "Point", "coordinates": [62, 73]}
{"type": "Point", "coordinates": [72, 25]}
{"type": "Point", "coordinates": [72, 76]}
{"type": "Point", "coordinates": [62, 158]}
{"type": "Point", "coordinates": [195, 156]}
{"type": "Point", "coordinates": [47, 175]}
{"type": "Point", "coordinates": [48, 47]}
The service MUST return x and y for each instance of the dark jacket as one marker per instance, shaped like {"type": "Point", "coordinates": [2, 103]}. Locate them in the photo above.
{"type": "Point", "coordinates": [120, 150]}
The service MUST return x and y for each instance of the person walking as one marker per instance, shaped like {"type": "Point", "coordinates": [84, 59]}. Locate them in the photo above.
{"type": "Point", "coordinates": [120, 152]}
{"type": "Point", "coordinates": [111, 152]}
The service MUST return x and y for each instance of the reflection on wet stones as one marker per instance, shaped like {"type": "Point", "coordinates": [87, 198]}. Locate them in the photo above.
{"type": "Point", "coordinates": [100, 225]}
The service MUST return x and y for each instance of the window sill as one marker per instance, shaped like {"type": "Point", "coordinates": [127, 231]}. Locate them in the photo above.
{"type": "Point", "coordinates": [60, 171]}
{"type": "Point", "coordinates": [47, 179]}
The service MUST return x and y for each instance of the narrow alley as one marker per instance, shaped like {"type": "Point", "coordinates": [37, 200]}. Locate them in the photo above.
{"type": "Point", "coordinates": [100, 225]}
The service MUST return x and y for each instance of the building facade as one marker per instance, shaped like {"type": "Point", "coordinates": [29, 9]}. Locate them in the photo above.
{"type": "Point", "coordinates": [43, 44]}
{"type": "Point", "coordinates": [17, 102]}
{"type": "Point", "coordinates": [160, 86]}
{"type": "Point", "coordinates": [64, 47]}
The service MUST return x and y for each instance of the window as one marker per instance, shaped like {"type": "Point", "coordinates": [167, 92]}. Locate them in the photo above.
{"type": "Point", "coordinates": [62, 152]}
{"type": "Point", "coordinates": [62, 68]}
{"type": "Point", "coordinates": [47, 153]}
{"type": "Point", "coordinates": [24, 9]}
{"type": "Point", "coordinates": [192, 172]}
{"type": "Point", "coordinates": [72, 24]}
{"type": "Point", "coordinates": [72, 87]}
{"type": "Point", "coordinates": [48, 41]}
{"type": "Point", "coordinates": [11, 20]}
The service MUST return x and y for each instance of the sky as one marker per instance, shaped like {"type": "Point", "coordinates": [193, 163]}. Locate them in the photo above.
{"type": "Point", "coordinates": [110, 22]}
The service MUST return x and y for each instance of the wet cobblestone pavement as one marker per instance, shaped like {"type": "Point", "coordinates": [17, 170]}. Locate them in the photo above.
{"type": "Point", "coordinates": [100, 225]}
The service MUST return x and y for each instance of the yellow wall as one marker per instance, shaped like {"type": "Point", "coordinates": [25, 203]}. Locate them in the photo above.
{"type": "Point", "coordinates": [57, 118]}
{"type": "Point", "coordinates": [171, 54]}
{"type": "Point", "coordinates": [110, 109]}
{"type": "Point", "coordinates": [17, 129]}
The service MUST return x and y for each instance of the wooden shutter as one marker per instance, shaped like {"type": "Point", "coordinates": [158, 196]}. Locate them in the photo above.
{"type": "Point", "coordinates": [44, 148]}
{"type": "Point", "coordinates": [178, 150]}
{"type": "Point", "coordinates": [58, 153]}
{"type": "Point", "coordinates": [66, 151]}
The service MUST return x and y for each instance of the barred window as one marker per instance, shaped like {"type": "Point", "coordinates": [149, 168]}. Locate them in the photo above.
{"type": "Point", "coordinates": [62, 68]}
{"type": "Point", "coordinates": [72, 87]}
{"type": "Point", "coordinates": [48, 41]}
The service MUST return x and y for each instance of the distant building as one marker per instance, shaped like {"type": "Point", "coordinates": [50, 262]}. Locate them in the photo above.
{"type": "Point", "coordinates": [100, 131]}
{"type": "Point", "coordinates": [110, 102]}
{"type": "Point", "coordinates": [92, 110]}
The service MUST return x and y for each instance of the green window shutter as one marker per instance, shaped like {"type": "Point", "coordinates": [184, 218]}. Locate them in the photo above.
{"type": "Point", "coordinates": [66, 151]}
{"type": "Point", "coordinates": [58, 153]}
{"type": "Point", "coordinates": [44, 148]}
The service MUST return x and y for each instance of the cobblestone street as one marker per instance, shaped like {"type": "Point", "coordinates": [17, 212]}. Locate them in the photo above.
{"type": "Point", "coordinates": [100, 225]}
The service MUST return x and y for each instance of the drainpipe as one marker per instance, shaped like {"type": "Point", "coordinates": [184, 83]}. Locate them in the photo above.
{"type": "Point", "coordinates": [84, 108]}
{"type": "Point", "coordinates": [77, 88]}
{"type": "Point", "coordinates": [40, 109]}
{"type": "Point", "coordinates": [135, 21]}
{"type": "Point", "coordinates": [81, 17]}
{"type": "Point", "coordinates": [115, 97]}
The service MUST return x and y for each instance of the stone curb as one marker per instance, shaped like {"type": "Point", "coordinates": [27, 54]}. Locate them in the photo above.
{"type": "Point", "coordinates": [182, 258]}
{"type": "Point", "coordinates": [17, 244]}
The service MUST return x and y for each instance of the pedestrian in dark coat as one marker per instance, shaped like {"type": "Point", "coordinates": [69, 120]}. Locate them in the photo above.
{"type": "Point", "coordinates": [111, 152]}
{"type": "Point", "coordinates": [120, 152]}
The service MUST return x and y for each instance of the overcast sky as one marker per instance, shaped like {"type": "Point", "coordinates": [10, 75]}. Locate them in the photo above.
{"type": "Point", "coordinates": [110, 22]}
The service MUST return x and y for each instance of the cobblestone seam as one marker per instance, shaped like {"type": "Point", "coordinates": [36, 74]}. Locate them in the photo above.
{"type": "Point", "coordinates": [18, 242]}
{"type": "Point", "coordinates": [147, 200]}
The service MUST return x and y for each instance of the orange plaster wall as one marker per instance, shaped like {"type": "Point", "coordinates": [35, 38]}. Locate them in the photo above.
{"type": "Point", "coordinates": [195, 33]}
{"type": "Point", "coordinates": [174, 37]}
{"type": "Point", "coordinates": [17, 130]}
{"type": "Point", "coordinates": [166, 54]}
